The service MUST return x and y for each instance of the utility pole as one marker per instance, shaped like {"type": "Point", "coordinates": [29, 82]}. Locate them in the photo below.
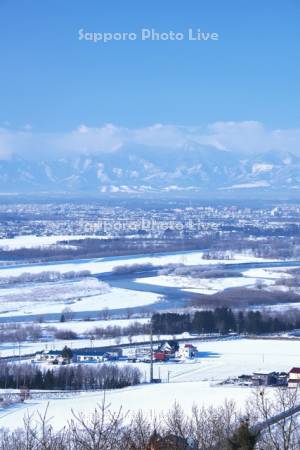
{"type": "Point", "coordinates": [19, 368]}
{"type": "Point", "coordinates": [151, 352]}
{"type": "Point", "coordinates": [92, 341]}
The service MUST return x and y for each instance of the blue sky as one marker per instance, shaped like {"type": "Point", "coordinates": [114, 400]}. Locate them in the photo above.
{"type": "Point", "coordinates": [53, 82]}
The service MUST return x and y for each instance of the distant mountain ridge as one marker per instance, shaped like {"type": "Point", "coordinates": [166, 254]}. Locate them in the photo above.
{"type": "Point", "coordinates": [139, 171]}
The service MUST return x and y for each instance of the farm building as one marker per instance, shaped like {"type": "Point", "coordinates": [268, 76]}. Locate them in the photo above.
{"type": "Point", "coordinates": [50, 356]}
{"type": "Point", "coordinates": [160, 356]}
{"type": "Point", "coordinates": [263, 379]}
{"type": "Point", "coordinates": [96, 355]}
{"type": "Point", "coordinates": [85, 355]}
{"type": "Point", "coordinates": [187, 351]}
{"type": "Point", "coordinates": [169, 347]}
{"type": "Point", "coordinates": [294, 377]}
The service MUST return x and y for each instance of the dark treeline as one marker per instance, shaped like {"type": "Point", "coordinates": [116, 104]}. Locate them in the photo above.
{"type": "Point", "coordinates": [244, 298]}
{"type": "Point", "coordinates": [89, 248]}
{"type": "Point", "coordinates": [284, 243]}
{"type": "Point", "coordinates": [294, 281]}
{"type": "Point", "coordinates": [224, 320]}
{"type": "Point", "coordinates": [104, 376]}
{"type": "Point", "coordinates": [237, 241]}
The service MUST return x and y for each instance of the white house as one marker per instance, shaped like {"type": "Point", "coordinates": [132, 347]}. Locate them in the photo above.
{"type": "Point", "coordinates": [294, 377]}
{"type": "Point", "coordinates": [91, 358]}
{"type": "Point", "coordinates": [49, 356]}
{"type": "Point", "coordinates": [187, 351]}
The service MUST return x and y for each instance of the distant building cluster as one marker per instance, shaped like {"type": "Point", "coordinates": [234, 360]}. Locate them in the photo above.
{"type": "Point", "coordinates": [86, 219]}
{"type": "Point", "coordinates": [171, 351]}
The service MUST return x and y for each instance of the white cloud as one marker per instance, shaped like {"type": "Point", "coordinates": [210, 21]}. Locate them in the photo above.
{"type": "Point", "coordinates": [247, 136]}
{"type": "Point", "coordinates": [101, 174]}
{"type": "Point", "coordinates": [251, 136]}
{"type": "Point", "coordinates": [118, 171]}
{"type": "Point", "coordinates": [241, 136]}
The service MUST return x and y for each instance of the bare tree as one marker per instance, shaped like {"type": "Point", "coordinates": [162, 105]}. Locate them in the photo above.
{"type": "Point", "coordinates": [285, 433]}
{"type": "Point", "coordinates": [68, 313]}
{"type": "Point", "coordinates": [104, 314]}
{"type": "Point", "coordinates": [101, 431]}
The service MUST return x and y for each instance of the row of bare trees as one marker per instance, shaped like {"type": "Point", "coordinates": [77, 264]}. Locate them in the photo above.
{"type": "Point", "coordinates": [14, 332]}
{"type": "Point", "coordinates": [112, 331]}
{"type": "Point", "coordinates": [44, 277]}
{"type": "Point", "coordinates": [213, 428]}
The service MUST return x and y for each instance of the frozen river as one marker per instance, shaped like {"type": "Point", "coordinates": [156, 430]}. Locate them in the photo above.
{"type": "Point", "coordinates": [103, 269]}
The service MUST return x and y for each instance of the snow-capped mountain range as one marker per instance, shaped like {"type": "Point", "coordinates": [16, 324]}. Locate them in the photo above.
{"type": "Point", "coordinates": [138, 171]}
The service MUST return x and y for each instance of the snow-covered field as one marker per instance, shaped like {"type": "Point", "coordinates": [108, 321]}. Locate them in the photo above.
{"type": "Point", "coordinates": [152, 399]}
{"type": "Point", "coordinates": [273, 273]}
{"type": "Point", "coordinates": [221, 359]}
{"type": "Point", "coordinates": [90, 294]}
{"type": "Point", "coordinates": [32, 241]}
{"type": "Point", "coordinates": [200, 285]}
{"type": "Point", "coordinates": [85, 295]}
{"type": "Point", "coordinates": [230, 358]}
{"type": "Point", "coordinates": [101, 265]}
{"type": "Point", "coordinates": [190, 383]}
{"type": "Point", "coordinates": [250, 279]}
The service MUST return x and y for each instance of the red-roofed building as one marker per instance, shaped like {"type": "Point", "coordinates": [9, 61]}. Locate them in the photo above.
{"type": "Point", "coordinates": [160, 356]}
{"type": "Point", "coordinates": [294, 377]}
